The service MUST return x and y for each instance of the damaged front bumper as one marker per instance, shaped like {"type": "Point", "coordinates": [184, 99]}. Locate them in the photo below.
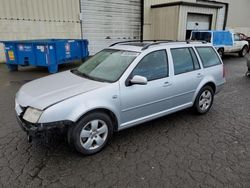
{"type": "Point", "coordinates": [42, 129]}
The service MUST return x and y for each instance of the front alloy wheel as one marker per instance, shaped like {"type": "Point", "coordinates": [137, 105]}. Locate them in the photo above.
{"type": "Point", "coordinates": [92, 133]}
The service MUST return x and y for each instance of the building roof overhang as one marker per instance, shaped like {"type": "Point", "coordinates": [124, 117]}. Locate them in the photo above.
{"type": "Point", "coordinates": [184, 3]}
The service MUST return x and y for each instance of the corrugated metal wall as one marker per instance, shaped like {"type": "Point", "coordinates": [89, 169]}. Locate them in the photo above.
{"type": "Point", "coordinates": [105, 22]}
{"type": "Point", "coordinates": [40, 10]}
{"type": "Point", "coordinates": [37, 19]}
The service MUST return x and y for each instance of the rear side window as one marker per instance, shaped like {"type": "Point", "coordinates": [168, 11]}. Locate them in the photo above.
{"type": "Point", "coordinates": [236, 37]}
{"type": "Point", "coordinates": [208, 56]}
{"type": "Point", "coordinates": [153, 66]}
{"type": "Point", "coordinates": [184, 60]}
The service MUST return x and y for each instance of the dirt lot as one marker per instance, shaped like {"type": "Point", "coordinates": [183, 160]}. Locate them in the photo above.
{"type": "Point", "coordinates": [180, 150]}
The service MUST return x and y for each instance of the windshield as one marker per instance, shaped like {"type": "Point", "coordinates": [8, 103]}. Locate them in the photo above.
{"type": "Point", "coordinates": [108, 65]}
{"type": "Point", "coordinates": [202, 36]}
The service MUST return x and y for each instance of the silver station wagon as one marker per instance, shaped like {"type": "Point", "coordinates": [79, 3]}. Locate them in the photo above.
{"type": "Point", "coordinates": [122, 86]}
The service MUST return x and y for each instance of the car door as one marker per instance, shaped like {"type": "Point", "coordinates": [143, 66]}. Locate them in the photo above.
{"type": "Point", "coordinates": [140, 102]}
{"type": "Point", "coordinates": [187, 75]}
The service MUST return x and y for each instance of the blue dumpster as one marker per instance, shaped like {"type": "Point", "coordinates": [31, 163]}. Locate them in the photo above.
{"type": "Point", "coordinates": [44, 53]}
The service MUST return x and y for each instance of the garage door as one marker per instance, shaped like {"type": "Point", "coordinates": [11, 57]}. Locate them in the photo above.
{"type": "Point", "coordinates": [198, 22]}
{"type": "Point", "coordinates": [105, 22]}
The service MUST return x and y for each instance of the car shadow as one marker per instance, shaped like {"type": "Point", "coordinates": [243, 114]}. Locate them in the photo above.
{"type": "Point", "coordinates": [58, 145]}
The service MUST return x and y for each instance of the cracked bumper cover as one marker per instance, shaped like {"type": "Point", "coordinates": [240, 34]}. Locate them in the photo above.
{"type": "Point", "coordinates": [37, 129]}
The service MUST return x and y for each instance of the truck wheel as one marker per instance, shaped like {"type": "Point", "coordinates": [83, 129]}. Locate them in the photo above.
{"type": "Point", "coordinates": [204, 100]}
{"type": "Point", "coordinates": [244, 51]}
{"type": "Point", "coordinates": [92, 133]}
{"type": "Point", "coordinates": [221, 52]}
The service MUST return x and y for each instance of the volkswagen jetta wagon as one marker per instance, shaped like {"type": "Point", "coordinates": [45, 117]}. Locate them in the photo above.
{"type": "Point", "coordinates": [122, 86]}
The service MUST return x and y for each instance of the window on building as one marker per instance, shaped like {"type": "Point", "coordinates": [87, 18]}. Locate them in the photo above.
{"type": "Point", "coordinates": [153, 66]}
{"type": "Point", "coordinates": [184, 60]}
{"type": "Point", "coordinates": [208, 56]}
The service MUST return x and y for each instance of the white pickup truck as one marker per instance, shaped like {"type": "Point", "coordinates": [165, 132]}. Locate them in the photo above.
{"type": "Point", "coordinates": [223, 41]}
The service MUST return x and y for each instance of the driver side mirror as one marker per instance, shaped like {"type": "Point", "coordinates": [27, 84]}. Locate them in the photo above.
{"type": "Point", "coordinates": [139, 80]}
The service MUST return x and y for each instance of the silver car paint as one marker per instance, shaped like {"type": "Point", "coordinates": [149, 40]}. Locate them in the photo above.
{"type": "Point", "coordinates": [49, 90]}
{"type": "Point", "coordinates": [69, 97]}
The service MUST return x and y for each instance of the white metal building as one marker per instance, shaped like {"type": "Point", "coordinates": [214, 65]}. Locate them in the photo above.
{"type": "Point", "coordinates": [103, 22]}
{"type": "Point", "coordinates": [175, 20]}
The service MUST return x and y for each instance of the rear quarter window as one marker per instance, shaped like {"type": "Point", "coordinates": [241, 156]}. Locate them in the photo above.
{"type": "Point", "coordinates": [208, 56]}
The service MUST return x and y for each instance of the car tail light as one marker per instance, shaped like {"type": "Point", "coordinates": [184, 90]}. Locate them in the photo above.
{"type": "Point", "coordinates": [224, 71]}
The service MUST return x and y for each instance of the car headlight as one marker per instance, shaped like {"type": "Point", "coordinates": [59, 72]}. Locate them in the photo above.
{"type": "Point", "coordinates": [32, 115]}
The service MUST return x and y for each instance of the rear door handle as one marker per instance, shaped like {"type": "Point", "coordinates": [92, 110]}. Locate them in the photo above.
{"type": "Point", "coordinates": [199, 75]}
{"type": "Point", "coordinates": [166, 84]}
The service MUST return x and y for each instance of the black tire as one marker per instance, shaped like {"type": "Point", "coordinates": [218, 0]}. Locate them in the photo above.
{"type": "Point", "coordinates": [70, 136]}
{"type": "Point", "coordinates": [86, 121]}
{"type": "Point", "coordinates": [221, 52]}
{"type": "Point", "coordinates": [244, 51]}
{"type": "Point", "coordinates": [197, 107]}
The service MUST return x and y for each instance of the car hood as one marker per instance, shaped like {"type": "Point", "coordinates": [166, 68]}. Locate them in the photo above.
{"type": "Point", "coordinates": [49, 90]}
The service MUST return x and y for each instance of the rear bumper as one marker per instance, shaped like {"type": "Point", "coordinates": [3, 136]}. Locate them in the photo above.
{"type": "Point", "coordinates": [39, 129]}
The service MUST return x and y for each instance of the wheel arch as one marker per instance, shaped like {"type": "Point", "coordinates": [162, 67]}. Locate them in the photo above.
{"type": "Point", "coordinates": [208, 83]}
{"type": "Point", "coordinates": [106, 111]}
{"type": "Point", "coordinates": [247, 47]}
{"type": "Point", "coordinates": [212, 85]}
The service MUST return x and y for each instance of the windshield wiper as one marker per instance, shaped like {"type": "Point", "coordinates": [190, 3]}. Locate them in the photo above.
{"type": "Point", "coordinates": [77, 72]}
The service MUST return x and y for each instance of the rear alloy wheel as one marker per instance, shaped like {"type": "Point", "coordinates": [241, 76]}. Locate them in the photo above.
{"type": "Point", "coordinates": [92, 133]}
{"type": "Point", "coordinates": [204, 100]}
{"type": "Point", "coordinates": [243, 52]}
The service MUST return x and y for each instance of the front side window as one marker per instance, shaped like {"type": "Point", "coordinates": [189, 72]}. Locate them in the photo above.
{"type": "Point", "coordinates": [108, 65]}
{"type": "Point", "coordinates": [153, 66]}
{"type": "Point", "coordinates": [208, 56]}
{"type": "Point", "coordinates": [184, 60]}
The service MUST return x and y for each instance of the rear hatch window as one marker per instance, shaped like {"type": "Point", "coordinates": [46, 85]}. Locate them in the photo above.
{"type": "Point", "coordinates": [201, 36]}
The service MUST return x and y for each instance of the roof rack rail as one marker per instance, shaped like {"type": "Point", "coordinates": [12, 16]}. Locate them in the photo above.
{"type": "Point", "coordinates": [124, 42]}
{"type": "Point", "coordinates": [156, 43]}
{"type": "Point", "coordinates": [128, 41]}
